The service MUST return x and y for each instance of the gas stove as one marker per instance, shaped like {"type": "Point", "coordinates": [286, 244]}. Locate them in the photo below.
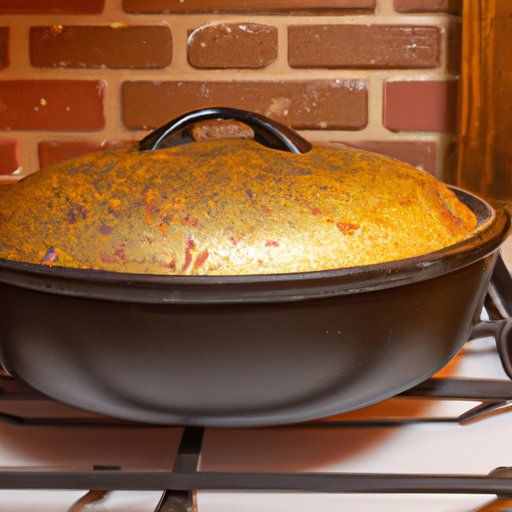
{"type": "Point", "coordinates": [441, 446]}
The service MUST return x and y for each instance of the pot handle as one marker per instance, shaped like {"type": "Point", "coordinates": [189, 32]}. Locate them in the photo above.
{"type": "Point", "coordinates": [500, 292]}
{"type": "Point", "coordinates": [501, 331]}
{"type": "Point", "coordinates": [267, 132]}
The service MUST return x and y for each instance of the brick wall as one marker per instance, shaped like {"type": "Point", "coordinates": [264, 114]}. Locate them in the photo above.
{"type": "Point", "coordinates": [77, 76]}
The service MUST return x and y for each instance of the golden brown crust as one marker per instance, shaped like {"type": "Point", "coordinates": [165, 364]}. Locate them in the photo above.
{"type": "Point", "coordinates": [228, 207]}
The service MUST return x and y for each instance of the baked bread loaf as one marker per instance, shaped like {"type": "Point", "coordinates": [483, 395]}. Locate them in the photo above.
{"type": "Point", "coordinates": [228, 207]}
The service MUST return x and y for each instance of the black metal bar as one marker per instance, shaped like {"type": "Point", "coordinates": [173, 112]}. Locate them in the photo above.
{"type": "Point", "coordinates": [175, 501]}
{"type": "Point", "coordinates": [189, 451]}
{"type": "Point", "coordinates": [187, 461]}
{"type": "Point", "coordinates": [99, 422]}
{"type": "Point", "coordinates": [315, 482]}
{"type": "Point", "coordinates": [485, 410]}
{"type": "Point", "coordinates": [500, 289]}
{"type": "Point", "coordinates": [366, 423]}
{"type": "Point", "coordinates": [462, 389]}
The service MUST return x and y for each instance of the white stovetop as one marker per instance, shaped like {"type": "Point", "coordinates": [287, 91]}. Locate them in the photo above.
{"type": "Point", "coordinates": [477, 448]}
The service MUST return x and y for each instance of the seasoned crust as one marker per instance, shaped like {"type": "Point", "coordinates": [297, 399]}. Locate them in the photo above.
{"type": "Point", "coordinates": [228, 208]}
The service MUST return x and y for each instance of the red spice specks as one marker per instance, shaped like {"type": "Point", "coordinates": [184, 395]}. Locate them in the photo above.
{"type": "Point", "coordinates": [190, 246]}
{"type": "Point", "coordinates": [190, 221]}
{"type": "Point", "coordinates": [121, 254]}
{"type": "Point", "coordinates": [201, 259]}
{"type": "Point", "coordinates": [108, 258]}
{"type": "Point", "coordinates": [171, 265]}
{"type": "Point", "coordinates": [271, 243]}
{"type": "Point", "coordinates": [235, 241]}
{"type": "Point", "coordinates": [405, 201]}
{"type": "Point", "coordinates": [316, 211]}
{"type": "Point", "coordinates": [347, 228]}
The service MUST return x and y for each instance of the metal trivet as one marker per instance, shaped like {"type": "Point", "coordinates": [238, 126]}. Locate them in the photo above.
{"type": "Point", "coordinates": [178, 485]}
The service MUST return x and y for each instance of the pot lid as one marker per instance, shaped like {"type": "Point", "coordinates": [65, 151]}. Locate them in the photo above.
{"type": "Point", "coordinates": [271, 205]}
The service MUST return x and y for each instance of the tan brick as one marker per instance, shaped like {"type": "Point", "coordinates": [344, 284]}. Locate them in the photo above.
{"type": "Point", "coordinates": [97, 46]}
{"type": "Point", "coordinates": [362, 46]}
{"type": "Point", "coordinates": [232, 45]}
{"type": "Point", "coordinates": [302, 104]}
{"type": "Point", "coordinates": [51, 104]}
{"type": "Point", "coordinates": [247, 7]}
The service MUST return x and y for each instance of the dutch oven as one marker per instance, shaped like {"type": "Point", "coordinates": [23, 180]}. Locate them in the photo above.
{"type": "Point", "coordinates": [176, 338]}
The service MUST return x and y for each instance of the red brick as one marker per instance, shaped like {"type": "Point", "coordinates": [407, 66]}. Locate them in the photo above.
{"type": "Point", "coordinates": [246, 7]}
{"type": "Point", "coordinates": [429, 106]}
{"type": "Point", "coordinates": [97, 46]}
{"type": "Point", "coordinates": [9, 156]}
{"type": "Point", "coordinates": [362, 46]}
{"type": "Point", "coordinates": [428, 5]}
{"type": "Point", "coordinates": [51, 6]}
{"type": "Point", "coordinates": [232, 45]}
{"type": "Point", "coordinates": [302, 104]}
{"type": "Point", "coordinates": [51, 105]}
{"type": "Point", "coordinates": [420, 154]}
{"type": "Point", "coordinates": [54, 151]}
{"type": "Point", "coordinates": [4, 47]}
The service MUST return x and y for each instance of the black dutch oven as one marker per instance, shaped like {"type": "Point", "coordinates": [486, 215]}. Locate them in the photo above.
{"type": "Point", "coordinates": [244, 350]}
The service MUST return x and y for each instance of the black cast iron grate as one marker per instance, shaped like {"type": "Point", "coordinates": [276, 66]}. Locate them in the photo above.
{"type": "Point", "coordinates": [178, 485]}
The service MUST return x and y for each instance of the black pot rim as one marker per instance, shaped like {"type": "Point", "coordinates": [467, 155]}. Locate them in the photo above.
{"type": "Point", "coordinates": [494, 225]}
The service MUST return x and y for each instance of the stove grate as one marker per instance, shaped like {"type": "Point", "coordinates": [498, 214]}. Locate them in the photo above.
{"type": "Point", "coordinates": [179, 485]}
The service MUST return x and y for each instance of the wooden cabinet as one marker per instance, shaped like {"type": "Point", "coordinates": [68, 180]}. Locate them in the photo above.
{"type": "Point", "coordinates": [484, 162]}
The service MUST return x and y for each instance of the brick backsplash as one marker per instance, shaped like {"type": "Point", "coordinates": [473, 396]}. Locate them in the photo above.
{"type": "Point", "coordinates": [58, 105]}
{"type": "Point", "coordinates": [363, 46]}
{"type": "Point", "coordinates": [51, 6]}
{"type": "Point", "coordinates": [79, 76]}
{"type": "Point", "coordinates": [144, 47]}
{"type": "Point", "coordinates": [9, 158]}
{"type": "Point", "coordinates": [247, 7]}
{"type": "Point", "coordinates": [301, 104]}
{"type": "Point", "coordinates": [4, 42]}
{"type": "Point", "coordinates": [52, 152]}
{"type": "Point", "coordinates": [428, 5]}
{"type": "Point", "coordinates": [232, 45]}
{"type": "Point", "coordinates": [407, 106]}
